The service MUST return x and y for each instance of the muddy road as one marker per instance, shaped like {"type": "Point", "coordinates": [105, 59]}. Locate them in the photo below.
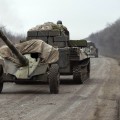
{"type": "Point", "coordinates": [96, 99]}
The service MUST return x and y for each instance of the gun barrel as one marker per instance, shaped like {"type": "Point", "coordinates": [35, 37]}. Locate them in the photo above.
{"type": "Point", "coordinates": [22, 59]}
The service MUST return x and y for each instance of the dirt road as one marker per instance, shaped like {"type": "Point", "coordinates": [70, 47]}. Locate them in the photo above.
{"type": "Point", "coordinates": [96, 99]}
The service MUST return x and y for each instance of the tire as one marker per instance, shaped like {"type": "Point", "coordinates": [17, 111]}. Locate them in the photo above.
{"type": "Point", "coordinates": [1, 78]}
{"type": "Point", "coordinates": [88, 70]}
{"type": "Point", "coordinates": [1, 70]}
{"type": "Point", "coordinates": [96, 55]}
{"type": "Point", "coordinates": [1, 86]}
{"type": "Point", "coordinates": [54, 77]}
{"type": "Point", "coordinates": [77, 77]}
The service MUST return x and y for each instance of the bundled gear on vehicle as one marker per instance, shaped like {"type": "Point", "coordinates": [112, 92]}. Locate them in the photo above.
{"type": "Point", "coordinates": [72, 59]}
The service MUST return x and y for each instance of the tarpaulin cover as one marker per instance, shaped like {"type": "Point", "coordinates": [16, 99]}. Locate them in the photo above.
{"type": "Point", "coordinates": [48, 53]}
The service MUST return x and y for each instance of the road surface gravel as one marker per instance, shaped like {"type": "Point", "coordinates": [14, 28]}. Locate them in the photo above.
{"type": "Point", "coordinates": [96, 99]}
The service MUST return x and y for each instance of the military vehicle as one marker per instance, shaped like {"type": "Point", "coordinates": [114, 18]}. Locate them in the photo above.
{"type": "Point", "coordinates": [91, 49]}
{"type": "Point", "coordinates": [29, 61]}
{"type": "Point", "coordinates": [72, 59]}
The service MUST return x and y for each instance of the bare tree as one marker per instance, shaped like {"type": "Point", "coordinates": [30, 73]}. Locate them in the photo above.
{"type": "Point", "coordinates": [108, 39]}
{"type": "Point", "coordinates": [14, 38]}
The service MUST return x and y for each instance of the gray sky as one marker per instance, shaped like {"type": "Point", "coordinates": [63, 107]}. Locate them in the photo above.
{"type": "Point", "coordinates": [81, 17]}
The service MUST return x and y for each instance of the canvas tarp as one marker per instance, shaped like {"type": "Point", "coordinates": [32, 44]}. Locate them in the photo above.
{"type": "Point", "coordinates": [48, 53]}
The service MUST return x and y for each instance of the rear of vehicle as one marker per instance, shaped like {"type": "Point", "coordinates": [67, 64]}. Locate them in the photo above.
{"type": "Point", "coordinates": [72, 60]}
{"type": "Point", "coordinates": [91, 49]}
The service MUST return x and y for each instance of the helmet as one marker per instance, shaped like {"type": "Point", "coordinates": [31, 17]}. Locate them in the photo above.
{"type": "Point", "coordinates": [59, 22]}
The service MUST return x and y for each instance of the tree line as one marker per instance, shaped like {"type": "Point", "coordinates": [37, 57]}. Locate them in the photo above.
{"type": "Point", "coordinates": [14, 38]}
{"type": "Point", "coordinates": [108, 39]}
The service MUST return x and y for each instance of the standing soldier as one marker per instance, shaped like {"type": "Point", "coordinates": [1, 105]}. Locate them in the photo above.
{"type": "Point", "coordinates": [59, 23]}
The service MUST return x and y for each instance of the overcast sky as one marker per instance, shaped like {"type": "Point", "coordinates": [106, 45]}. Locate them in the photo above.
{"type": "Point", "coordinates": [81, 17]}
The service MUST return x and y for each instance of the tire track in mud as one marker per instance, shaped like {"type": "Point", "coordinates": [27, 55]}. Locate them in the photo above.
{"type": "Point", "coordinates": [82, 93]}
{"type": "Point", "coordinates": [15, 97]}
{"type": "Point", "coordinates": [108, 104]}
{"type": "Point", "coordinates": [47, 110]}
{"type": "Point", "coordinates": [75, 102]}
{"type": "Point", "coordinates": [87, 102]}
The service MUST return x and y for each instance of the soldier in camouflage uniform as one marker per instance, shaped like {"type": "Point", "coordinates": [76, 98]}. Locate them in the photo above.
{"type": "Point", "coordinates": [59, 23]}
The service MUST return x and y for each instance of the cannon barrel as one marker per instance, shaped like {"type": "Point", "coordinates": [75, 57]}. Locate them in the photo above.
{"type": "Point", "coordinates": [22, 59]}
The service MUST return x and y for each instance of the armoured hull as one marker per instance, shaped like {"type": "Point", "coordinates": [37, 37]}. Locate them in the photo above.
{"type": "Point", "coordinates": [72, 59]}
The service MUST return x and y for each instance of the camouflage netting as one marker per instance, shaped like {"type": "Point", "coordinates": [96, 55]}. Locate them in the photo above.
{"type": "Point", "coordinates": [48, 53]}
{"type": "Point", "coordinates": [47, 26]}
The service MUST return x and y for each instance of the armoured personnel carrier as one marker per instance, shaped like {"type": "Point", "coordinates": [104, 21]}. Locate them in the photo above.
{"type": "Point", "coordinates": [91, 49]}
{"type": "Point", "coordinates": [72, 59]}
{"type": "Point", "coordinates": [29, 61]}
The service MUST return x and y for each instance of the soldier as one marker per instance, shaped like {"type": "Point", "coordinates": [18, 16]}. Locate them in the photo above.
{"type": "Point", "coordinates": [59, 23]}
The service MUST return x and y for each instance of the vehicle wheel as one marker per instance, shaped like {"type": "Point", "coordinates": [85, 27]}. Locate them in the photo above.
{"type": "Point", "coordinates": [1, 78]}
{"type": "Point", "coordinates": [77, 77]}
{"type": "Point", "coordinates": [54, 77]}
{"type": "Point", "coordinates": [88, 70]}
{"type": "Point", "coordinates": [1, 86]}
{"type": "Point", "coordinates": [96, 55]}
{"type": "Point", "coordinates": [1, 70]}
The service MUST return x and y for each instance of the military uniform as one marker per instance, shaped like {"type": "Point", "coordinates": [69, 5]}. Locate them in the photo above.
{"type": "Point", "coordinates": [63, 28]}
